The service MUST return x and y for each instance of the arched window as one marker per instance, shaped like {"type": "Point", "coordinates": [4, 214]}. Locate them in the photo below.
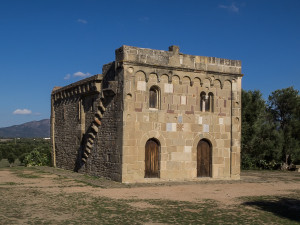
{"type": "Point", "coordinates": [206, 102]}
{"type": "Point", "coordinates": [202, 101]}
{"type": "Point", "coordinates": [211, 102]}
{"type": "Point", "coordinates": [152, 151]}
{"type": "Point", "coordinates": [154, 97]}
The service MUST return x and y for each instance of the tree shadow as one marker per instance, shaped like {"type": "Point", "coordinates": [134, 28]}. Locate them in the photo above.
{"type": "Point", "coordinates": [283, 207]}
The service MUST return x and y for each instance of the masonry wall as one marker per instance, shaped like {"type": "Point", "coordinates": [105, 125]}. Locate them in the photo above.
{"type": "Point", "coordinates": [106, 156]}
{"type": "Point", "coordinates": [73, 118]}
{"type": "Point", "coordinates": [118, 151]}
{"type": "Point", "coordinates": [67, 132]}
{"type": "Point", "coordinates": [179, 124]}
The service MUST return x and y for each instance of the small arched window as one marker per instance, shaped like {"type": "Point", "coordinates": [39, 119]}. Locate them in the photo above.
{"type": "Point", "coordinates": [202, 101]}
{"type": "Point", "coordinates": [206, 102]}
{"type": "Point", "coordinates": [211, 102]}
{"type": "Point", "coordinates": [154, 97]}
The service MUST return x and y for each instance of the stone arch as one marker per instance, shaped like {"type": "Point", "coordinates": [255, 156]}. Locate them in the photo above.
{"type": "Point", "coordinates": [164, 78]}
{"type": "Point", "coordinates": [186, 80]}
{"type": "Point", "coordinates": [140, 76]}
{"type": "Point", "coordinates": [152, 134]}
{"type": "Point", "coordinates": [217, 83]}
{"type": "Point", "coordinates": [197, 81]}
{"type": "Point", "coordinates": [153, 77]}
{"type": "Point", "coordinates": [175, 79]}
{"type": "Point", "coordinates": [227, 84]}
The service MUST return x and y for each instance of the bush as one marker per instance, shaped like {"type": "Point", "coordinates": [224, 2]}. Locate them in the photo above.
{"type": "Point", "coordinates": [248, 162]}
{"type": "Point", "coordinates": [37, 157]}
{"type": "Point", "coordinates": [11, 158]}
{"type": "Point", "coordinates": [22, 157]}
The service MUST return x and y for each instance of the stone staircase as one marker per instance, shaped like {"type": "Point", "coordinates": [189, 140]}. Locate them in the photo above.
{"type": "Point", "coordinates": [105, 98]}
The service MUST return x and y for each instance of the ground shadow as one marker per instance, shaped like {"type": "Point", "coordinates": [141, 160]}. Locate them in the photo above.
{"type": "Point", "coordinates": [288, 208]}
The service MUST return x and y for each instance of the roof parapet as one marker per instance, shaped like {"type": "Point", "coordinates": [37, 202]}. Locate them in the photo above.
{"type": "Point", "coordinates": [173, 58]}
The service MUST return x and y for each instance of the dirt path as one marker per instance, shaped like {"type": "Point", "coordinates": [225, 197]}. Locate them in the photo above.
{"type": "Point", "coordinates": [226, 192]}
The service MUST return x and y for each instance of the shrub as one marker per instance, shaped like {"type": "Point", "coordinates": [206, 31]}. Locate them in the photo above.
{"type": "Point", "coordinates": [11, 158]}
{"type": "Point", "coordinates": [37, 157]}
{"type": "Point", "coordinates": [22, 157]}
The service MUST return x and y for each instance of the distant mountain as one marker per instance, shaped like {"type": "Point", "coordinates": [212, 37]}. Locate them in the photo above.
{"type": "Point", "coordinates": [33, 129]}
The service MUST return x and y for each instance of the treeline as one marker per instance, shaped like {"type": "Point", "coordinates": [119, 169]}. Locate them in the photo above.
{"type": "Point", "coordinates": [30, 152]}
{"type": "Point", "coordinates": [270, 129]}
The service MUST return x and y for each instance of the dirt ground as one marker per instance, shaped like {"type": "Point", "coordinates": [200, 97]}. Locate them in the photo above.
{"type": "Point", "coordinates": [252, 183]}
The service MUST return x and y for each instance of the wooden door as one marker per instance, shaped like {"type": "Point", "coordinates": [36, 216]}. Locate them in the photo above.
{"type": "Point", "coordinates": [152, 159]}
{"type": "Point", "coordinates": [203, 159]}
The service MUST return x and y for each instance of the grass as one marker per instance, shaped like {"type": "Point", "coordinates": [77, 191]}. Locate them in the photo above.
{"type": "Point", "coordinates": [35, 205]}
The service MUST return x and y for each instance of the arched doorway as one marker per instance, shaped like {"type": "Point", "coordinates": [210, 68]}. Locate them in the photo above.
{"type": "Point", "coordinates": [204, 155]}
{"type": "Point", "coordinates": [152, 150]}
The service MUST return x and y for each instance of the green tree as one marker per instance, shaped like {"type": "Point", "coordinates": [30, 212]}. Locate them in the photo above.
{"type": "Point", "coordinates": [260, 141]}
{"type": "Point", "coordinates": [253, 107]}
{"type": "Point", "coordinates": [38, 157]}
{"type": "Point", "coordinates": [284, 107]}
{"type": "Point", "coordinates": [11, 158]}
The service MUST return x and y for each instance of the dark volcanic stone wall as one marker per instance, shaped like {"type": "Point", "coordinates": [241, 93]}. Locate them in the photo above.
{"type": "Point", "coordinates": [67, 132]}
{"type": "Point", "coordinates": [105, 158]}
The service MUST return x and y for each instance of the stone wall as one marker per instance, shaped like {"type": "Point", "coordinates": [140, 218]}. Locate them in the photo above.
{"type": "Point", "coordinates": [67, 132]}
{"type": "Point", "coordinates": [74, 114]}
{"type": "Point", "coordinates": [179, 124]}
{"type": "Point", "coordinates": [106, 157]}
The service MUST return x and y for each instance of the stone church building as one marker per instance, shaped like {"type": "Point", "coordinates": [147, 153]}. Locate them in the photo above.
{"type": "Point", "coordinates": [151, 116]}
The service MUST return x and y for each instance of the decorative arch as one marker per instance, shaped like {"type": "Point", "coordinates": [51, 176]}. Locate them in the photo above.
{"type": "Point", "coordinates": [175, 79]}
{"type": "Point", "coordinates": [153, 77]}
{"type": "Point", "coordinates": [197, 81]}
{"type": "Point", "coordinates": [164, 78]}
{"type": "Point", "coordinates": [140, 76]}
{"type": "Point", "coordinates": [153, 134]}
{"type": "Point", "coordinates": [186, 80]}
{"type": "Point", "coordinates": [227, 83]}
{"type": "Point", "coordinates": [217, 83]}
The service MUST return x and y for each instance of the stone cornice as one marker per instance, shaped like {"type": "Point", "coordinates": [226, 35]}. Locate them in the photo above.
{"type": "Point", "coordinates": [85, 86]}
{"type": "Point", "coordinates": [179, 69]}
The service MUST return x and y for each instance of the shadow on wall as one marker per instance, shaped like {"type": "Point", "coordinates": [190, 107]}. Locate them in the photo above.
{"type": "Point", "coordinates": [288, 208]}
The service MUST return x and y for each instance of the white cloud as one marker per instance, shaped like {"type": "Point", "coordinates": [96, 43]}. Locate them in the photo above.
{"type": "Point", "coordinates": [82, 21]}
{"type": "Point", "coordinates": [67, 77]}
{"type": "Point", "coordinates": [231, 8]}
{"type": "Point", "coordinates": [81, 74]}
{"type": "Point", "coordinates": [22, 112]}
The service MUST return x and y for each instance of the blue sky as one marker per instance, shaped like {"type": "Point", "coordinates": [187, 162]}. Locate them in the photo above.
{"type": "Point", "coordinates": [49, 43]}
